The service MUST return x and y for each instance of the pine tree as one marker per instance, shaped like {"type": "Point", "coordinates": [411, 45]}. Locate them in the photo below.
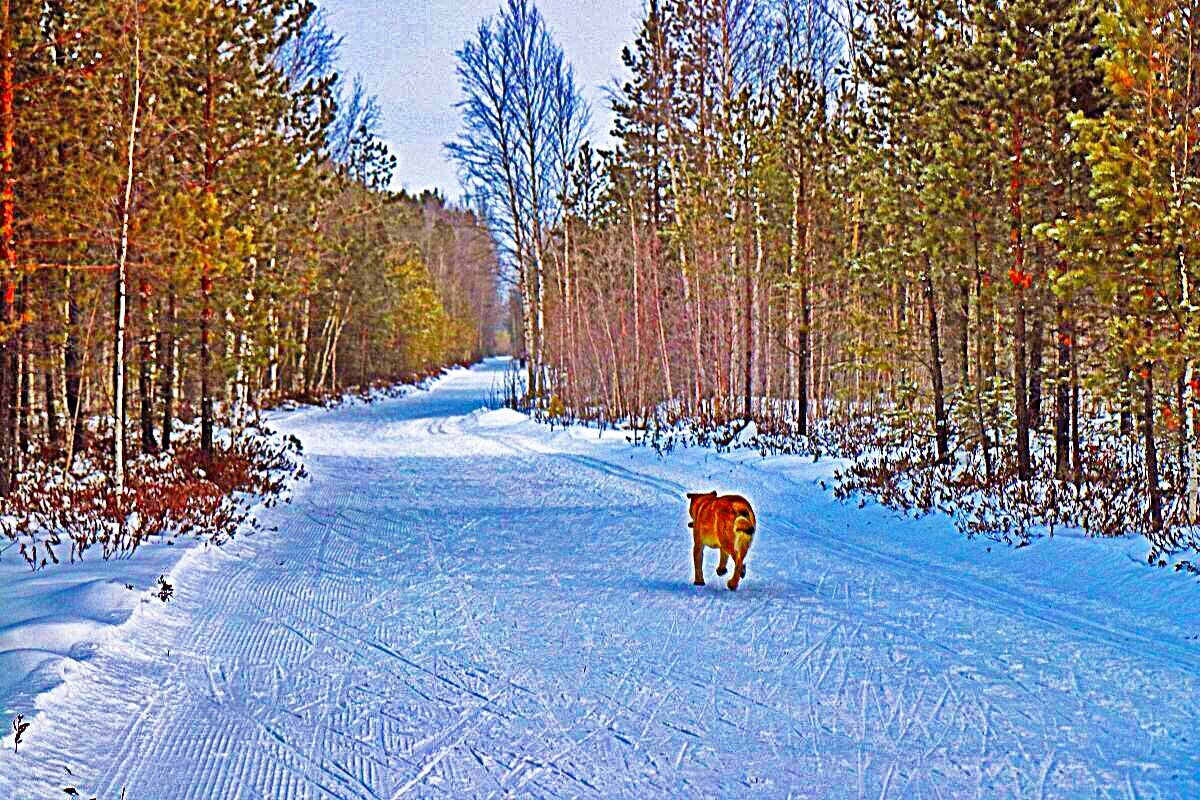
{"type": "Point", "coordinates": [1137, 249]}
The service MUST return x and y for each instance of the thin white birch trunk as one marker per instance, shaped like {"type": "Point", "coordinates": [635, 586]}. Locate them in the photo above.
{"type": "Point", "coordinates": [122, 264]}
{"type": "Point", "coordinates": [1191, 398]}
{"type": "Point", "coordinates": [301, 379]}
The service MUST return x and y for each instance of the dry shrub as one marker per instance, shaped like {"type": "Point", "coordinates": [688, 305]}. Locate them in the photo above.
{"type": "Point", "coordinates": [1107, 500]}
{"type": "Point", "coordinates": [179, 493]}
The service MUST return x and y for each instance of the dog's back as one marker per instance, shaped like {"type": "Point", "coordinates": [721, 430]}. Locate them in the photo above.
{"type": "Point", "coordinates": [720, 519]}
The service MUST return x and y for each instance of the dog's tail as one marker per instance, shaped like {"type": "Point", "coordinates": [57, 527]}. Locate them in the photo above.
{"type": "Point", "coordinates": [744, 522]}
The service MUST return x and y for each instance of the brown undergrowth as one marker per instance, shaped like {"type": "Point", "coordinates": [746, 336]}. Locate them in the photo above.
{"type": "Point", "coordinates": [55, 514]}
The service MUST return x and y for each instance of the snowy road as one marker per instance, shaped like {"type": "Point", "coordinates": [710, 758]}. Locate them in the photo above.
{"type": "Point", "coordinates": [462, 604]}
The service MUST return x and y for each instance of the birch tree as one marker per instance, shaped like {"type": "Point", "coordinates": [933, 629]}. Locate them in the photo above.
{"type": "Point", "coordinates": [522, 116]}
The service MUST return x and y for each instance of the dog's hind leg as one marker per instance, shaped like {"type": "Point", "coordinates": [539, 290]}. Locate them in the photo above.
{"type": "Point", "coordinates": [723, 566]}
{"type": "Point", "coordinates": [739, 570]}
{"type": "Point", "coordinates": [698, 562]}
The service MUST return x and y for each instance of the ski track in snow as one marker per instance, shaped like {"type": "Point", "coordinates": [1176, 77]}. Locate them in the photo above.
{"type": "Point", "coordinates": [462, 605]}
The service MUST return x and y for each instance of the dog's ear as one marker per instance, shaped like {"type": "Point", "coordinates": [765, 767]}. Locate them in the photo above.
{"type": "Point", "coordinates": [694, 495]}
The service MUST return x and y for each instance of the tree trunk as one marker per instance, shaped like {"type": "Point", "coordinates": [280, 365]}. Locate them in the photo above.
{"type": "Point", "coordinates": [206, 400]}
{"type": "Point", "coordinates": [273, 348]}
{"type": "Point", "coordinates": [1127, 402]}
{"type": "Point", "coordinates": [805, 338]}
{"type": "Point", "coordinates": [326, 340]}
{"type": "Point", "coordinates": [1020, 372]}
{"type": "Point", "coordinates": [749, 306]}
{"type": "Point", "coordinates": [145, 370]}
{"type": "Point", "coordinates": [697, 342]}
{"type": "Point", "coordinates": [8, 287]}
{"type": "Point", "coordinates": [1153, 492]}
{"type": "Point", "coordinates": [984, 352]}
{"type": "Point", "coordinates": [964, 333]}
{"type": "Point", "coordinates": [1191, 397]}
{"type": "Point", "coordinates": [1062, 398]}
{"type": "Point", "coordinates": [73, 365]}
{"type": "Point", "coordinates": [120, 301]}
{"type": "Point", "coordinates": [789, 309]}
{"type": "Point", "coordinates": [941, 425]}
{"type": "Point", "coordinates": [118, 363]}
{"type": "Point", "coordinates": [570, 356]}
{"type": "Point", "coordinates": [168, 353]}
{"type": "Point", "coordinates": [662, 339]}
{"type": "Point", "coordinates": [333, 347]}
{"type": "Point", "coordinates": [24, 374]}
{"type": "Point", "coordinates": [363, 349]}
{"type": "Point", "coordinates": [206, 280]}
{"type": "Point", "coordinates": [49, 370]}
{"type": "Point", "coordinates": [305, 343]}
{"type": "Point", "coordinates": [1019, 278]}
{"type": "Point", "coordinates": [637, 321]}
{"type": "Point", "coordinates": [1036, 354]}
{"type": "Point", "coordinates": [1076, 440]}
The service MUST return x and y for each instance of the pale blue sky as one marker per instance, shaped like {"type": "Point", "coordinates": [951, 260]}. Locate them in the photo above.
{"type": "Point", "coordinates": [404, 50]}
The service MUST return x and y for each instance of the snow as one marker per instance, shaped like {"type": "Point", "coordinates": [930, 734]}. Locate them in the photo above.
{"type": "Point", "coordinates": [501, 418]}
{"type": "Point", "coordinates": [463, 603]}
{"type": "Point", "coordinates": [51, 621]}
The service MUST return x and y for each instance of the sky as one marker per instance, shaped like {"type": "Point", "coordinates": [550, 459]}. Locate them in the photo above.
{"type": "Point", "coordinates": [404, 51]}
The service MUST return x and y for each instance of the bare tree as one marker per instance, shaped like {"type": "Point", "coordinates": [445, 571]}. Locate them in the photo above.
{"type": "Point", "coordinates": [523, 120]}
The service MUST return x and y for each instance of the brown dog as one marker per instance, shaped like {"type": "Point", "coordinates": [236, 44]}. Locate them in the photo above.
{"type": "Point", "coordinates": [725, 522]}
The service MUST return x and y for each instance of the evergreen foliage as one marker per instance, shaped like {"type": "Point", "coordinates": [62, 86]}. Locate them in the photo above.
{"type": "Point", "coordinates": [952, 238]}
{"type": "Point", "coordinates": [197, 222]}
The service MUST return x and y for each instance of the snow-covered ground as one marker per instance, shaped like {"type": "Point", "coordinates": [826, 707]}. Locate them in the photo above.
{"type": "Point", "coordinates": [465, 604]}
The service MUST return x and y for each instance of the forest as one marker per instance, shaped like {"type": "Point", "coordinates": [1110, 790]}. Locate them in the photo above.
{"type": "Point", "coordinates": [800, 399]}
{"type": "Point", "coordinates": [198, 223]}
{"type": "Point", "coordinates": [953, 242]}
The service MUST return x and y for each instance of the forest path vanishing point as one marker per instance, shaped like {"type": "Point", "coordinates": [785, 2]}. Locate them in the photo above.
{"type": "Point", "coordinates": [463, 604]}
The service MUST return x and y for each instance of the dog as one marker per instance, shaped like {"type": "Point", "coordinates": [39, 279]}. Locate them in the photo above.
{"type": "Point", "coordinates": [726, 522]}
